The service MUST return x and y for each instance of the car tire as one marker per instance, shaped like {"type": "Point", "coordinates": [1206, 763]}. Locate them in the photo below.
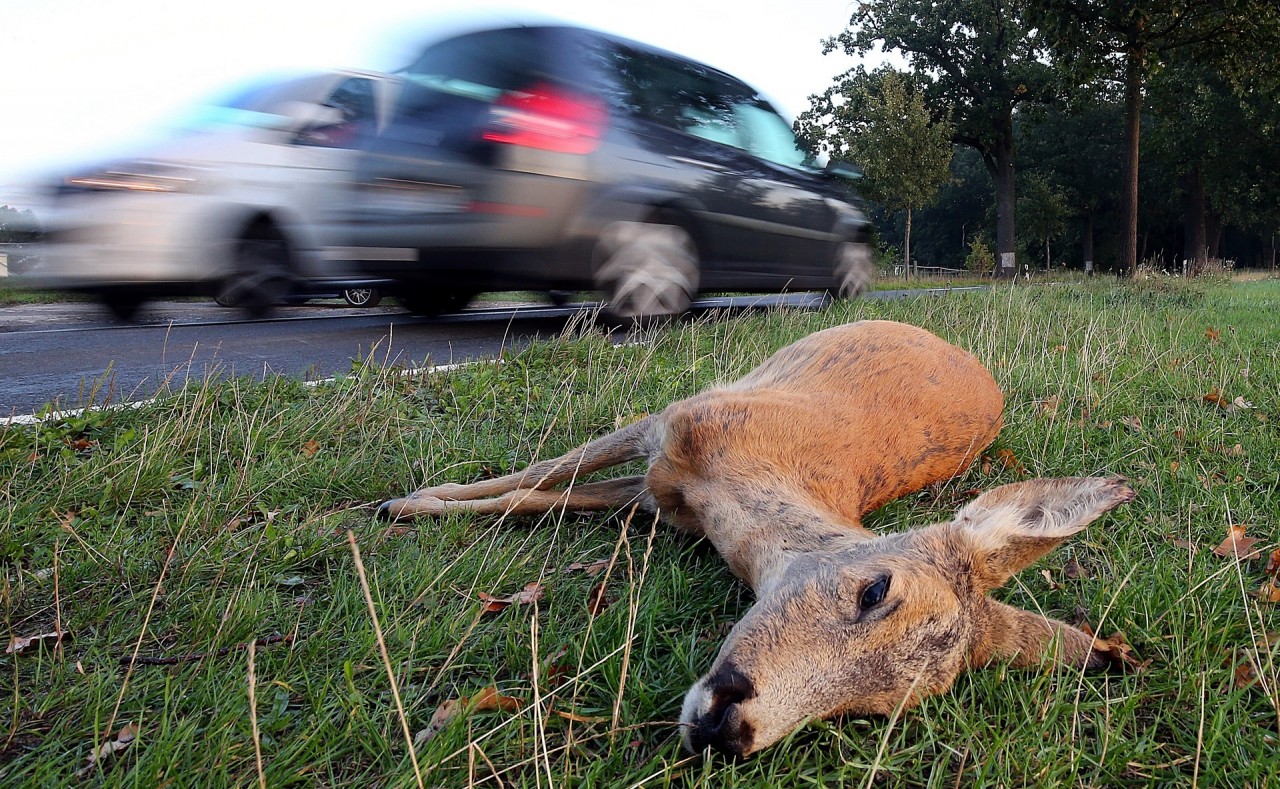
{"type": "Point", "coordinates": [260, 278]}
{"type": "Point", "coordinates": [853, 270]}
{"type": "Point", "coordinates": [648, 270]}
{"type": "Point", "coordinates": [431, 304]}
{"type": "Point", "coordinates": [362, 297]}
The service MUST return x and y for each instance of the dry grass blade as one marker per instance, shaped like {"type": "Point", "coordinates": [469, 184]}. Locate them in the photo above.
{"type": "Point", "coordinates": [386, 658]}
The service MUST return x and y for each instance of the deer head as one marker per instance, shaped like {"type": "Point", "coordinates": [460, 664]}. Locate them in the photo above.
{"type": "Point", "coordinates": [868, 626]}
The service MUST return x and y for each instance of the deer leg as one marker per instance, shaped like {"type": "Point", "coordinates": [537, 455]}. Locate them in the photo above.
{"type": "Point", "coordinates": [587, 497]}
{"type": "Point", "coordinates": [618, 447]}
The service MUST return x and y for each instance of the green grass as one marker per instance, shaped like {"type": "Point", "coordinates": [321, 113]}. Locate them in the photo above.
{"type": "Point", "coordinates": [219, 514]}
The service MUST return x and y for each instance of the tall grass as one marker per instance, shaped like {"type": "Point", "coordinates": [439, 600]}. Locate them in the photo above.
{"type": "Point", "coordinates": [209, 530]}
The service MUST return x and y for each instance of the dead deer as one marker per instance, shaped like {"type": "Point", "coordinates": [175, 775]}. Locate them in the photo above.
{"type": "Point", "coordinates": [777, 471]}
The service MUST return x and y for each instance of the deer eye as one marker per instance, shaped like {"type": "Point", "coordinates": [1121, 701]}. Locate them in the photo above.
{"type": "Point", "coordinates": [874, 594]}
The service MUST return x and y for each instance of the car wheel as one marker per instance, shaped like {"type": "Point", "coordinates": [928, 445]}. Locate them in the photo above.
{"type": "Point", "coordinates": [648, 271]}
{"type": "Point", "coordinates": [362, 297]}
{"type": "Point", "coordinates": [260, 278]}
{"type": "Point", "coordinates": [122, 305]}
{"type": "Point", "coordinates": [435, 303]}
{"type": "Point", "coordinates": [854, 271]}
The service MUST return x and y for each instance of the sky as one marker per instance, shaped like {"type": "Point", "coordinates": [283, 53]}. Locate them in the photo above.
{"type": "Point", "coordinates": [81, 78]}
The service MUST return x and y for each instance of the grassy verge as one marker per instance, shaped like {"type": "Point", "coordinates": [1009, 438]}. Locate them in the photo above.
{"type": "Point", "coordinates": [185, 530]}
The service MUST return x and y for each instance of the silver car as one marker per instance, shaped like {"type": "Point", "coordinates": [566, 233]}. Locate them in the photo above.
{"type": "Point", "coordinates": [236, 204]}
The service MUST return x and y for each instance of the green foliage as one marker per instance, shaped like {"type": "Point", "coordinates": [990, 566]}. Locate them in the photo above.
{"type": "Point", "coordinates": [980, 259]}
{"type": "Point", "coordinates": [190, 526]}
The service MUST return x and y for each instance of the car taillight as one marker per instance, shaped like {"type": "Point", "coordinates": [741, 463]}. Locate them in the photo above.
{"type": "Point", "coordinates": [546, 118]}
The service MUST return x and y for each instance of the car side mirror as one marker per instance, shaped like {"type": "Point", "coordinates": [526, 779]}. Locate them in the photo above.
{"type": "Point", "coordinates": [842, 169]}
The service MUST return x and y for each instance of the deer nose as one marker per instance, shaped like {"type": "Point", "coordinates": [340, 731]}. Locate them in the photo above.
{"type": "Point", "coordinates": [723, 726]}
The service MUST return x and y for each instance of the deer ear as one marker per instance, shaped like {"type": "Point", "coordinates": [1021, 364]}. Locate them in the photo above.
{"type": "Point", "coordinates": [1008, 528]}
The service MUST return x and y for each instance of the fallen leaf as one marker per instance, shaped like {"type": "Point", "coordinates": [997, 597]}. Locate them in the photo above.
{"type": "Point", "coordinates": [1241, 403]}
{"type": "Point", "coordinates": [439, 719]}
{"type": "Point", "coordinates": [598, 601]}
{"type": "Point", "coordinates": [1180, 434]}
{"type": "Point", "coordinates": [1237, 545]}
{"type": "Point", "coordinates": [1269, 593]}
{"type": "Point", "coordinates": [1119, 652]}
{"type": "Point", "coordinates": [292, 580]}
{"type": "Point", "coordinates": [486, 700]}
{"type": "Point", "coordinates": [490, 699]}
{"type": "Point", "coordinates": [1174, 466]}
{"type": "Point", "coordinates": [1132, 422]}
{"type": "Point", "coordinates": [1187, 546]}
{"type": "Point", "coordinates": [1007, 460]}
{"type": "Point", "coordinates": [531, 593]}
{"type": "Point", "coordinates": [1243, 676]}
{"type": "Point", "coordinates": [1273, 563]}
{"type": "Point", "coordinates": [590, 568]}
{"type": "Point", "coordinates": [1213, 334]}
{"type": "Point", "coordinates": [127, 734]}
{"type": "Point", "coordinates": [1048, 576]}
{"type": "Point", "coordinates": [1049, 406]}
{"type": "Point", "coordinates": [310, 448]}
{"type": "Point", "coordinates": [1073, 570]}
{"type": "Point", "coordinates": [19, 645]}
{"type": "Point", "coordinates": [1214, 397]}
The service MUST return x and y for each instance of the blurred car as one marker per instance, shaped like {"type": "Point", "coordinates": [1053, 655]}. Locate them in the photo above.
{"type": "Point", "coordinates": [237, 204]}
{"type": "Point", "coordinates": [556, 158]}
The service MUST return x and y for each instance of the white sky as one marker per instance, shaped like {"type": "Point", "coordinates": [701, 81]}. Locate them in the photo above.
{"type": "Point", "coordinates": [78, 77]}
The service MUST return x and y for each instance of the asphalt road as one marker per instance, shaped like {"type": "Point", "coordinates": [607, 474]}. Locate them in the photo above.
{"type": "Point", "coordinates": [74, 356]}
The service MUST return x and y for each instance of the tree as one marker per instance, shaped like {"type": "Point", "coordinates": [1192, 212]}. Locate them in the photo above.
{"type": "Point", "coordinates": [975, 60]}
{"type": "Point", "coordinates": [1043, 209]}
{"type": "Point", "coordinates": [905, 155]}
{"type": "Point", "coordinates": [1131, 39]}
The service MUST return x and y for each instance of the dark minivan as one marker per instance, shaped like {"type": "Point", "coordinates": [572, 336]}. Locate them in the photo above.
{"type": "Point", "coordinates": [555, 158]}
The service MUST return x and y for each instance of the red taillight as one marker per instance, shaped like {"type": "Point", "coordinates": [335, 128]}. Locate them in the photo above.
{"type": "Point", "coordinates": [547, 118]}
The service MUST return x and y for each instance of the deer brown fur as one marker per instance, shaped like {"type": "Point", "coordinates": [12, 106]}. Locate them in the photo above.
{"type": "Point", "coordinates": [777, 471]}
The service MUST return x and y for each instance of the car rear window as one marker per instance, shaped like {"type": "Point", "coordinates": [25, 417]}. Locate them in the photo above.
{"type": "Point", "coordinates": [486, 65]}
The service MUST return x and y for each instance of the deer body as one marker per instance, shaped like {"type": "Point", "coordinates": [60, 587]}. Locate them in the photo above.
{"type": "Point", "coordinates": [777, 470]}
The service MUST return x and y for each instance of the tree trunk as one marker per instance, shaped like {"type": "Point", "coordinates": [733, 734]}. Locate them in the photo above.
{"type": "Point", "coordinates": [1006, 199]}
{"type": "Point", "coordinates": [1134, 64]}
{"type": "Point", "coordinates": [1194, 245]}
{"type": "Point", "coordinates": [906, 244]}
{"type": "Point", "coordinates": [1213, 234]}
{"type": "Point", "coordinates": [1048, 258]}
{"type": "Point", "coordinates": [1088, 243]}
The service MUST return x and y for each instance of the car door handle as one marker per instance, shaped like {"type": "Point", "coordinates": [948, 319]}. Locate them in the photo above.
{"type": "Point", "coordinates": [719, 168]}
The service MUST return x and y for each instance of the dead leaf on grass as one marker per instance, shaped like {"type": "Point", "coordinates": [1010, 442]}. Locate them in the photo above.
{"type": "Point", "coordinates": [1007, 460]}
{"type": "Point", "coordinates": [1049, 406]}
{"type": "Point", "coordinates": [1048, 576]}
{"type": "Point", "coordinates": [598, 601]}
{"type": "Point", "coordinates": [1213, 334]}
{"type": "Point", "coordinates": [18, 645]}
{"type": "Point", "coordinates": [1237, 545]}
{"type": "Point", "coordinates": [1132, 422]}
{"type": "Point", "coordinates": [531, 593]}
{"type": "Point", "coordinates": [1073, 570]}
{"type": "Point", "coordinates": [590, 568]}
{"type": "Point", "coordinates": [487, 700]}
{"type": "Point", "coordinates": [123, 739]}
{"type": "Point", "coordinates": [1273, 564]}
{"type": "Point", "coordinates": [1269, 593]}
{"type": "Point", "coordinates": [1185, 545]}
{"type": "Point", "coordinates": [310, 448]}
{"type": "Point", "coordinates": [1119, 653]}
